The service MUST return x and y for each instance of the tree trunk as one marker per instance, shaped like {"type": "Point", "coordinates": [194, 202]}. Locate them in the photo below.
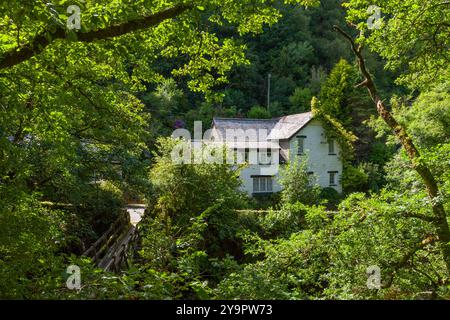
{"type": "Point", "coordinates": [440, 222]}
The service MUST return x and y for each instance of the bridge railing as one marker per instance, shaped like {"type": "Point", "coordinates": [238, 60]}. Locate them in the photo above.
{"type": "Point", "coordinates": [109, 252]}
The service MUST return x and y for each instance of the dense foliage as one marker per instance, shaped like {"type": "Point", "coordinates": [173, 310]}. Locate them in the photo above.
{"type": "Point", "coordinates": [84, 126]}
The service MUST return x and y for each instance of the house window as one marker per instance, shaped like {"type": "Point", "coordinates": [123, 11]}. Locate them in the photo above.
{"type": "Point", "coordinates": [251, 156]}
{"type": "Point", "coordinates": [241, 155]}
{"type": "Point", "coordinates": [301, 145]}
{"type": "Point", "coordinates": [265, 157]}
{"type": "Point", "coordinates": [262, 184]}
{"type": "Point", "coordinates": [331, 147]}
{"type": "Point", "coordinates": [333, 175]}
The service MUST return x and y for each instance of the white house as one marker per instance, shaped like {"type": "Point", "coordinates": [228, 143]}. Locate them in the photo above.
{"type": "Point", "coordinates": [268, 143]}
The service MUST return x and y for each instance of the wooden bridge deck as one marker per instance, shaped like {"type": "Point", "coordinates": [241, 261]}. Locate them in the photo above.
{"type": "Point", "coordinates": [110, 251]}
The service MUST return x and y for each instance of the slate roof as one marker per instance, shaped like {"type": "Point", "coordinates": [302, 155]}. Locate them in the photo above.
{"type": "Point", "coordinates": [287, 126]}
{"type": "Point", "coordinates": [277, 128]}
{"type": "Point", "coordinates": [223, 124]}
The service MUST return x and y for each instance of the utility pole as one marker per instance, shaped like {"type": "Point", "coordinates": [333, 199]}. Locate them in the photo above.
{"type": "Point", "coordinates": [268, 92]}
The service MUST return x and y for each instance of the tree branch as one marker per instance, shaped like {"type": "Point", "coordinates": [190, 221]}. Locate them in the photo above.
{"type": "Point", "coordinates": [405, 259]}
{"type": "Point", "coordinates": [417, 162]}
{"type": "Point", "coordinates": [45, 38]}
{"type": "Point", "coordinates": [419, 216]}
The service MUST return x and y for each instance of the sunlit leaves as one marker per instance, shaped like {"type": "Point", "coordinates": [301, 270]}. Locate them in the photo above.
{"type": "Point", "coordinates": [413, 37]}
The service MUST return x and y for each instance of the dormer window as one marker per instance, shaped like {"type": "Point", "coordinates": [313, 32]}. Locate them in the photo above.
{"type": "Point", "coordinates": [301, 145]}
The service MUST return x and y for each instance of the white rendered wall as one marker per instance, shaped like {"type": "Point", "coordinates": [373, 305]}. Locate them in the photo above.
{"type": "Point", "coordinates": [320, 162]}
{"type": "Point", "coordinates": [316, 147]}
{"type": "Point", "coordinates": [255, 170]}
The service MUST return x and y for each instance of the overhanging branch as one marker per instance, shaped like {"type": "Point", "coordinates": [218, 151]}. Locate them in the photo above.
{"type": "Point", "coordinates": [42, 40]}
{"type": "Point", "coordinates": [430, 239]}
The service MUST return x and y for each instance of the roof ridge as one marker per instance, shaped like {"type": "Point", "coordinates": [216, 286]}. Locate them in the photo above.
{"type": "Point", "coordinates": [243, 119]}
{"type": "Point", "coordinates": [294, 114]}
{"type": "Point", "coordinates": [252, 119]}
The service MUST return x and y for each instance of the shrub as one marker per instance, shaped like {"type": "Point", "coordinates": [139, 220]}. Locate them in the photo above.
{"type": "Point", "coordinates": [30, 235]}
{"type": "Point", "coordinates": [282, 223]}
{"type": "Point", "coordinates": [354, 179]}
{"type": "Point", "coordinates": [331, 196]}
{"type": "Point", "coordinates": [297, 184]}
{"type": "Point", "coordinates": [262, 202]}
